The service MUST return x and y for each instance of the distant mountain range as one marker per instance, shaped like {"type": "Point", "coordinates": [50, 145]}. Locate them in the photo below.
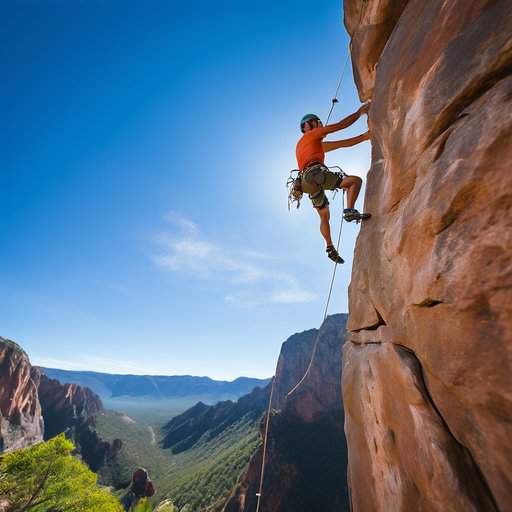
{"type": "Point", "coordinates": [108, 385]}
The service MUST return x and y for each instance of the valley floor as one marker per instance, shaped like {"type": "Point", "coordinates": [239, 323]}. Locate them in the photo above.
{"type": "Point", "coordinates": [201, 476]}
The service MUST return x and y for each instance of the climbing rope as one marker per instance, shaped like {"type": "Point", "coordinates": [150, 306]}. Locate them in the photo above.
{"type": "Point", "coordinates": [265, 438]}
{"type": "Point", "coordinates": [334, 100]}
{"type": "Point", "coordinates": [315, 345]}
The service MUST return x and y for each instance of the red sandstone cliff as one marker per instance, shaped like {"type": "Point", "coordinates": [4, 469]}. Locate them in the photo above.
{"type": "Point", "coordinates": [427, 385]}
{"type": "Point", "coordinates": [72, 409]}
{"type": "Point", "coordinates": [21, 422]}
{"type": "Point", "coordinates": [306, 453]}
{"type": "Point", "coordinates": [65, 405]}
{"type": "Point", "coordinates": [33, 407]}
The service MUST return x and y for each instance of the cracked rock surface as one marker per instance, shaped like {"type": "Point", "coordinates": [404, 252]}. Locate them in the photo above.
{"type": "Point", "coordinates": [429, 356]}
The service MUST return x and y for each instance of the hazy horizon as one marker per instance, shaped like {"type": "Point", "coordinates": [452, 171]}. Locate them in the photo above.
{"type": "Point", "coordinates": [147, 374]}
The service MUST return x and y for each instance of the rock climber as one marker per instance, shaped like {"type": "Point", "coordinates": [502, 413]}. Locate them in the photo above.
{"type": "Point", "coordinates": [316, 177]}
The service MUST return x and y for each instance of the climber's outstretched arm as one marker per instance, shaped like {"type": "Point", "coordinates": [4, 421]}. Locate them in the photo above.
{"type": "Point", "coordinates": [345, 143]}
{"type": "Point", "coordinates": [349, 120]}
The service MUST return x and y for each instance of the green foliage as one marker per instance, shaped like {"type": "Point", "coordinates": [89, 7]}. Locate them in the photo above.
{"type": "Point", "coordinates": [206, 484]}
{"type": "Point", "coordinates": [46, 476]}
{"type": "Point", "coordinates": [197, 479]}
{"type": "Point", "coordinates": [143, 506]}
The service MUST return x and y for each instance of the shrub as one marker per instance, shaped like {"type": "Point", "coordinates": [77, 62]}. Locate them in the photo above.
{"type": "Point", "coordinates": [46, 477]}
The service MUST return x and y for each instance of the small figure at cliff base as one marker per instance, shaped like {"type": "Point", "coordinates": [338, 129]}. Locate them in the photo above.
{"type": "Point", "coordinates": [316, 177]}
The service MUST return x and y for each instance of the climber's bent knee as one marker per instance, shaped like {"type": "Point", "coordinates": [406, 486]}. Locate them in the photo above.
{"type": "Point", "coordinates": [319, 199]}
{"type": "Point", "coordinates": [349, 181]}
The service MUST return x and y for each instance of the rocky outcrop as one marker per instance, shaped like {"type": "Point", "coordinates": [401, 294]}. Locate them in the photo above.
{"type": "Point", "coordinates": [65, 405]}
{"type": "Point", "coordinates": [34, 407]}
{"type": "Point", "coordinates": [21, 421]}
{"type": "Point", "coordinates": [369, 24]}
{"type": "Point", "coordinates": [72, 409]}
{"type": "Point", "coordinates": [306, 454]}
{"type": "Point", "coordinates": [426, 377]}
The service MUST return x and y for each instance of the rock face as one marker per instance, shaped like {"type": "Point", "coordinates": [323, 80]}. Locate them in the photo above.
{"type": "Point", "coordinates": [305, 466]}
{"type": "Point", "coordinates": [72, 409]}
{"type": "Point", "coordinates": [34, 407]}
{"type": "Point", "coordinates": [21, 422]}
{"type": "Point", "coordinates": [426, 374]}
{"type": "Point", "coordinates": [65, 405]}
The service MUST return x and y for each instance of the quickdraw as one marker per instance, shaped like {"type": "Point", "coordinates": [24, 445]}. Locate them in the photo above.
{"type": "Point", "coordinates": [294, 186]}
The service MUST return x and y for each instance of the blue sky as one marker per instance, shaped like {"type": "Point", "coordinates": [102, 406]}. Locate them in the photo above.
{"type": "Point", "coordinates": [143, 215]}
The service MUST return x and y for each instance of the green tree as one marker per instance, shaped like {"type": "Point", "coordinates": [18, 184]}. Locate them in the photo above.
{"type": "Point", "coordinates": [46, 477]}
{"type": "Point", "coordinates": [143, 506]}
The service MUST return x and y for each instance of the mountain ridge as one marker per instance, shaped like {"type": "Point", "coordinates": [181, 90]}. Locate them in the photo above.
{"type": "Point", "coordinates": [183, 431]}
{"type": "Point", "coordinates": [108, 385]}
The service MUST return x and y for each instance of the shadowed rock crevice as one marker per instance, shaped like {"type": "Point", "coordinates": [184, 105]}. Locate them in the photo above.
{"type": "Point", "coordinates": [410, 358]}
{"type": "Point", "coordinates": [428, 303]}
{"type": "Point", "coordinates": [465, 454]}
{"type": "Point", "coordinates": [400, 432]}
{"type": "Point", "coordinates": [374, 326]}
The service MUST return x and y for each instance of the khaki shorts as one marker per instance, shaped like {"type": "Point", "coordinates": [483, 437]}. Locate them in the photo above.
{"type": "Point", "coordinates": [315, 180]}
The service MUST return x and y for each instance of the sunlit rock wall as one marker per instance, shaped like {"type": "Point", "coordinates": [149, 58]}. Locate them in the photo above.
{"type": "Point", "coordinates": [427, 384]}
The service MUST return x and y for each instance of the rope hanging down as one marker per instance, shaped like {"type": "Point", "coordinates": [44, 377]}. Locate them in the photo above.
{"type": "Point", "coordinates": [269, 410]}
{"type": "Point", "coordinates": [264, 455]}
{"type": "Point", "coordinates": [313, 352]}
{"type": "Point", "coordinates": [334, 101]}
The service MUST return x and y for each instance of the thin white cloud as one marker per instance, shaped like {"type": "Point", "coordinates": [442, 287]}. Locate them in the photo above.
{"type": "Point", "coordinates": [185, 224]}
{"type": "Point", "coordinates": [293, 296]}
{"type": "Point", "coordinates": [186, 251]}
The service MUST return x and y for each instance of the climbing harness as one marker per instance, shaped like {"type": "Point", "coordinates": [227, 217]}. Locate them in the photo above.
{"type": "Point", "coordinates": [315, 345]}
{"type": "Point", "coordinates": [294, 185]}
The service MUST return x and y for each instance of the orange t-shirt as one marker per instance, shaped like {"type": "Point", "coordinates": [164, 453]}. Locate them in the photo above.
{"type": "Point", "coordinates": [309, 148]}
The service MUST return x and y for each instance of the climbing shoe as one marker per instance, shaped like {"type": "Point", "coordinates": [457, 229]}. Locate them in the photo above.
{"type": "Point", "coordinates": [350, 214]}
{"type": "Point", "coordinates": [332, 253]}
